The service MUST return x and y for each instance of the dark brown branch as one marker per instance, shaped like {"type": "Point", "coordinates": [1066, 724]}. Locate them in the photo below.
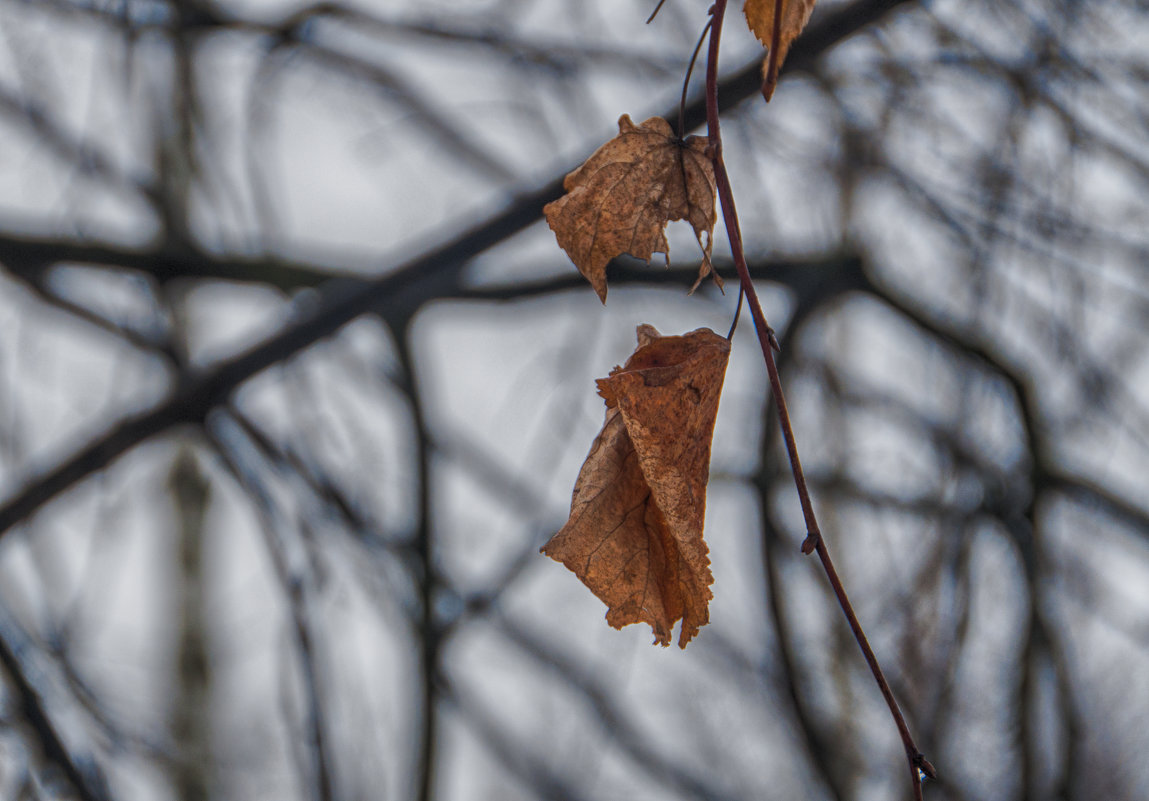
{"type": "Point", "coordinates": [304, 629]}
{"type": "Point", "coordinates": [814, 542]}
{"type": "Point", "coordinates": [426, 630]}
{"type": "Point", "coordinates": [817, 277]}
{"type": "Point", "coordinates": [87, 159]}
{"type": "Point", "coordinates": [621, 731]}
{"type": "Point", "coordinates": [52, 747]}
{"type": "Point", "coordinates": [30, 257]}
{"type": "Point", "coordinates": [532, 769]}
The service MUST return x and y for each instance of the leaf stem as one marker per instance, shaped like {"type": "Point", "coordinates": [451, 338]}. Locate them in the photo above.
{"type": "Point", "coordinates": [771, 79]}
{"type": "Point", "coordinates": [686, 80]}
{"type": "Point", "coordinates": [766, 339]}
{"type": "Point", "coordinates": [737, 311]}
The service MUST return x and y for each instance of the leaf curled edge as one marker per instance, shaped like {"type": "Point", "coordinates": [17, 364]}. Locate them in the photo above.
{"type": "Point", "coordinates": [621, 199]}
{"type": "Point", "coordinates": [634, 536]}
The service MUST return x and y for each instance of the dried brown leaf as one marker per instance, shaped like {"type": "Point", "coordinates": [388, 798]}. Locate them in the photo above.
{"type": "Point", "coordinates": [634, 535]}
{"type": "Point", "coordinates": [622, 197]}
{"type": "Point", "coordinates": [760, 17]}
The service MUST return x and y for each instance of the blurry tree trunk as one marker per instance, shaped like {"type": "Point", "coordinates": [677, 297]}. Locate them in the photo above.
{"type": "Point", "coordinates": [191, 717]}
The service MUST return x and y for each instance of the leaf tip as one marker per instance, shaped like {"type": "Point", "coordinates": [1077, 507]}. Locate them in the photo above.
{"type": "Point", "coordinates": [646, 333]}
{"type": "Point", "coordinates": [768, 87]}
{"type": "Point", "coordinates": [626, 124]}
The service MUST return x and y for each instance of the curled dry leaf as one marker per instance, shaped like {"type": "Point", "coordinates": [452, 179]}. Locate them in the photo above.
{"type": "Point", "coordinates": [621, 199]}
{"type": "Point", "coordinates": [760, 17]}
{"type": "Point", "coordinates": [634, 535]}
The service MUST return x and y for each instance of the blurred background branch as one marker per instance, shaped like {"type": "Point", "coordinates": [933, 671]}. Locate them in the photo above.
{"type": "Point", "coordinates": [294, 382]}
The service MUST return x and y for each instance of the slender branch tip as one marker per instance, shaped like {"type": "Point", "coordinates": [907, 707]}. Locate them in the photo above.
{"type": "Point", "coordinates": [654, 13]}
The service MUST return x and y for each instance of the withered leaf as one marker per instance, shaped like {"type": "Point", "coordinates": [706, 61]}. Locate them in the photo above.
{"type": "Point", "coordinates": [760, 17]}
{"type": "Point", "coordinates": [621, 199]}
{"type": "Point", "coordinates": [634, 535]}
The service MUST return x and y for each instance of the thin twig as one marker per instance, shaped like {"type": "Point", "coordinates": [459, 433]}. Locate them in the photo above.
{"type": "Point", "coordinates": [654, 13]}
{"type": "Point", "coordinates": [426, 628]}
{"type": "Point", "coordinates": [87, 785]}
{"type": "Point", "coordinates": [814, 543]}
{"type": "Point", "coordinates": [737, 311]}
{"type": "Point", "coordinates": [686, 80]}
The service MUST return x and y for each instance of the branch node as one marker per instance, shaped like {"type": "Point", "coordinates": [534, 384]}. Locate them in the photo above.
{"type": "Point", "coordinates": [923, 764]}
{"type": "Point", "coordinates": [813, 538]}
{"type": "Point", "coordinates": [773, 340]}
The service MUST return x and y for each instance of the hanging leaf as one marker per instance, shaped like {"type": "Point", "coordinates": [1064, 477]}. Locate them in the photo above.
{"type": "Point", "coordinates": [634, 535]}
{"type": "Point", "coordinates": [760, 17]}
{"type": "Point", "coordinates": [621, 199]}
